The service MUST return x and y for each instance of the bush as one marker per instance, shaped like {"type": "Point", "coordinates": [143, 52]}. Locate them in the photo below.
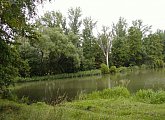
{"type": "Point", "coordinates": [113, 69]}
{"type": "Point", "coordinates": [159, 64]}
{"type": "Point", "coordinates": [122, 69]}
{"type": "Point", "coordinates": [156, 63]}
{"type": "Point", "coordinates": [134, 67]}
{"type": "Point", "coordinates": [144, 66]}
{"type": "Point", "coordinates": [104, 69]}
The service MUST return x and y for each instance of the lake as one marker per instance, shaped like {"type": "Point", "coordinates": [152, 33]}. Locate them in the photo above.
{"type": "Point", "coordinates": [58, 90]}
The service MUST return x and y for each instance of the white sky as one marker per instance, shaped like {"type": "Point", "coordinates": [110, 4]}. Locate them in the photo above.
{"type": "Point", "coordinates": [108, 11]}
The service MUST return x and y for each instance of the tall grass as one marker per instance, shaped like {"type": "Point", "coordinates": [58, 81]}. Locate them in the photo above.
{"type": "Point", "coordinates": [115, 92]}
{"type": "Point", "coordinates": [150, 96]}
{"type": "Point", "coordinates": [60, 76]}
{"type": "Point", "coordinates": [123, 107]}
{"type": "Point", "coordinates": [145, 96]}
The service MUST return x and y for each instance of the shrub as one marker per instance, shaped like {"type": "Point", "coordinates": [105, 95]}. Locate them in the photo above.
{"type": "Point", "coordinates": [134, 67]}
{"type": "Point", "coordinates": [104, 69]}
{"type": "Point", "coordinates": [122, 69]}
{"type": "Point", "coordinates": [144, 66]}
{"type": "Point", "coordinates": [159, 64]}
{"type": "Point", "coordinates": [113, 69]}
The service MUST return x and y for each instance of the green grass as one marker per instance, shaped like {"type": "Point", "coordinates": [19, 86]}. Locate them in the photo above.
{"type": "Point", "coordinates": [99, 109]}
{"type": "Point", "coordinates": [109, 104]}
{"type": "Point", "coordinates": [60, 76]}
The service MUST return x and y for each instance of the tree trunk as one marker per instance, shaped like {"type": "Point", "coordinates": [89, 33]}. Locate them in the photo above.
{"type": "Point", "coordinates": [107, 59]}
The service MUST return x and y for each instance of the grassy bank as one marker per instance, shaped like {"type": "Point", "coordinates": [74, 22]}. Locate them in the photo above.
{"type": "Point", "coordinates": [60, 76]}
{"type": "Point", "coordinates": [115, 104]}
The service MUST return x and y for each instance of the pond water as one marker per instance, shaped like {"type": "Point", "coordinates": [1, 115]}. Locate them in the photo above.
{"type": "Point", "coordinates": [57, 90]}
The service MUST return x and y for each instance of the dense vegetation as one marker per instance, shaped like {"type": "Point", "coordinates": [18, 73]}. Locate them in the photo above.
{"type": "Point", "coordinates": [62, 47]}
{"type": "Point", "coordinates": [116, 104]}
{"type": "Point", "coordinates": [59, 76]}
{"type": "Point", "coordinates": [57, 44]}
{"type": "Point", "coordinates": [66, 45]}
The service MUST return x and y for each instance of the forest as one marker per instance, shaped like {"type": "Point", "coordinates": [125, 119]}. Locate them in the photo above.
{"type": "Point", "coordinates": [56, 44]}
{"type": "Point", "coordinates": [67, 44]}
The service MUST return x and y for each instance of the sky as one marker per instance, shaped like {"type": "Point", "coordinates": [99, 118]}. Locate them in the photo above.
{"type": "Point", "coordinates": [106, 12]}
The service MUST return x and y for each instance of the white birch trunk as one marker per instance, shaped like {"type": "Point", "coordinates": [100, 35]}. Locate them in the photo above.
{"type": "Point", "coordinates": [107, 59]}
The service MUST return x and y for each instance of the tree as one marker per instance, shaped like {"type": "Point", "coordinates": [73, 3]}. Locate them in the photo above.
{"type": "Point", "coordinates": [88, 41]}
{"type": "Point", "coordinates": [63, 55]}
{"type": "Point", "coordinates": [120, 51]}
{"type": "Point", "coordinates": [14, 16]}
{"type": "Point", "coordinates": [135, 46]}
{"type": "Point", "coordinates": [161, 34]}
{"type": "Point", "coordinates": [32, 55]}
{"type": "Point", "coordinates": [13, 22]}
{"type": "Point", "coordinates": [53, 19]}
{"type": "Point", "coordinates": [136, 36]}
{"type": "Point", "coordinates": [105, 42]}
{"type": "Point", "coordinates": [74, 22]}
{"type": "Point", "coordinates": [153, 45]}
{"type": "Point", "coordinates": [11, 65]}
{"type": "Point", "coordinates": [145, 29]}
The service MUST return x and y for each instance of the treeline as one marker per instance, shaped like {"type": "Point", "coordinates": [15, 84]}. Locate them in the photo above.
{"type": "Point", "coordinates": [67, 44]}
{"type": "Point", "coordinates": [57, 44]}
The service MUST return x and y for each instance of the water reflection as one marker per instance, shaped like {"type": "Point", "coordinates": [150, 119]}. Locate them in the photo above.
{"type": "Point", "coordinates": [69, 88]}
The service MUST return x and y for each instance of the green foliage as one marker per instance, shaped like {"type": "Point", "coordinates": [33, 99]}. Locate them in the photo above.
{"type": "Point", "coordinates": [120, 48]}
{"type": "Point", "coordinates": [159, 64]}
{"type": "Point", "coordinates": [104, 41]}
{"type": "Point", "coordinates": [53, 53]}
{"type": "Point", "coordinates": [115, 92]}
{"type": "Point", "coordinates": [120, 52]}
{"type": "Point", "coordinates": [135, 46]}
{"type": "Point", "coordinates": [60, 76]}
{"type": "Point", "coordinates": [149, 96]}
{"type": "Point", "coordinates": [52, 48]}
{"type": "Point", "coordinates": [154, 49]}
{"type": "Point", "coordinates": [13, 22]}
{"type": "Point", "coordinates": [122, 69]}
{"type": "Point", "coordinates": [88, 44]}
{"type": "Point", "coordinates": [53, 19]}
{"type": "Point", "coordinates": [113, 69]}
{"type": "Point", "coordinates": [24, 69]}
{"type": "Point", "coordinates": [104, 68]}
{"type": "Point", "coordinates": [134, 67]}
{"type": "Point", "coordinates": [109, 93]}
{"type": "Point", "coordinates": [32, 56]}
{"type": "Point", "coordinates": [8, 75]}
{"type": "Point", "coordinates": [14, 16]}
{"type": "Point", "coordinates": [74, 19]}
{"type": "Point", "coordinates": [144, 66]}
{"type": "Point", "coordinates": [123, 107]}
{"type": "Point", "coordinates": [146, 96]}
{"type": "Point", "coordinates": [88, 64]}
{"type": "Point", "coordinates": [9, 67]}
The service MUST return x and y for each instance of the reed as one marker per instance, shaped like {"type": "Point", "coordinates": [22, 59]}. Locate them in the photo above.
{"type": "Point", "coordinates": [59, 76]}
